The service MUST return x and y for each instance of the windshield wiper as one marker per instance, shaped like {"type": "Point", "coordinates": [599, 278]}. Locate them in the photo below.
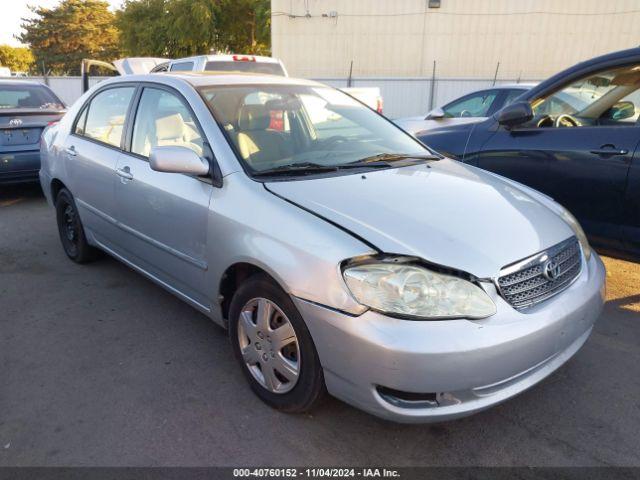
{"type": "Point", "coordinates": [394, 157]}
{"type": "Point", "coordinates": [310, 168]}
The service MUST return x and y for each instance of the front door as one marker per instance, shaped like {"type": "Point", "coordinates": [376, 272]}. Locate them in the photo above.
{"type": "Point", "coordinates": [164, 215]}
{"type": "Point", "coordinates": [577, 149]}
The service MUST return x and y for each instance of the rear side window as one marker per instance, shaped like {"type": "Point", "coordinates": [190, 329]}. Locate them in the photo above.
{"type": "Point", "coordinates": [106, 115]}
{"type": "Point", "coordinates": [182, 67]}
{"type": "Point", "coordinates": [163, 119]}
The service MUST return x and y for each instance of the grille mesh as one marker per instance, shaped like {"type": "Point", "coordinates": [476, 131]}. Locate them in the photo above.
{"type": "Point", "coordinates": [528, 284]}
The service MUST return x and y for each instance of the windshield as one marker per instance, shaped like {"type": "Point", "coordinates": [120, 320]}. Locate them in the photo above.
{"type": "Point", "coordinates": [280, 126]}
{"type": "Point", "coordinates": [245, 66]}
{"type": "Point", "coordinates": [14, 97]}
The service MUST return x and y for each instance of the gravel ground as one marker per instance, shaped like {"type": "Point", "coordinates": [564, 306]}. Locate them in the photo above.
{"type": "Point", "coordinates": [98, 366]}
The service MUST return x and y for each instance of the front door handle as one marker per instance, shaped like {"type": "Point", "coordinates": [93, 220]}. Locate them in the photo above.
{"type": "Point", "coordinates": [71, 151]}
{"type": "Point", "coordinates": [609, 150]}
{"type": "Point", "coordinates": [125, 173]}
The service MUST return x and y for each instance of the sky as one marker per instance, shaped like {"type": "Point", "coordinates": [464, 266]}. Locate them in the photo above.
{"type": "Point", "coordinates": [14, 10]}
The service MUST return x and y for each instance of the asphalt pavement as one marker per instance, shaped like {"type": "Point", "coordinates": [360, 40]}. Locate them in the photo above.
{"type": "Point", "coordinates": [101, 367]}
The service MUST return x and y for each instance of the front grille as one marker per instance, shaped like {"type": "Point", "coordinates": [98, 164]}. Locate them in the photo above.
{"type": "Point", "coordinates": [541, 276]}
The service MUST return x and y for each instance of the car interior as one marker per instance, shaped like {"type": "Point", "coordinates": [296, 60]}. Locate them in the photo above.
{"type": "Point", "coordinates": [258, 143]}
{"type": "Point", "coordinates": [607, 98]}
{"type": "Point", "coordinates": [280, 127]}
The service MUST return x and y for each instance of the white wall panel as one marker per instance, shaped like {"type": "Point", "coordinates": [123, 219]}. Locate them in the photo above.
{"type": "Point", "coordinates": [402, 38]}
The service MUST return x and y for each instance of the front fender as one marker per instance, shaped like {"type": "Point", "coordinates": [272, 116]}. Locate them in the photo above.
{"type": "Point", "coordinates": [301, 251]}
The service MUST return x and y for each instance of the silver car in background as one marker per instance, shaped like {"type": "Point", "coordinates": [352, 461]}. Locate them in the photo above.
{"type": "Point", "coordinates": [341, 254]}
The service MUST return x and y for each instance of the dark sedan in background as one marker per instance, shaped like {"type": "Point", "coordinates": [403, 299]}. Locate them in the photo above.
{"type": "Point", "coordinates": [573, 137]}
{"type": "Point", "coordinates": [26, 108]}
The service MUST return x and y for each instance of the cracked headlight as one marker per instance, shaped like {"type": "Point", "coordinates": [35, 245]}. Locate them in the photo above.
{"type": "Point", "coordinates": [414, 291]}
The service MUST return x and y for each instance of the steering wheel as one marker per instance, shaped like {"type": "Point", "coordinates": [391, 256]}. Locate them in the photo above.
{"type": "Point", "coordinates": [465, 113]}
{"type": "Point", "coordinates": [566, 120]}
{"type": "Point", "coordinates": [545, 121]}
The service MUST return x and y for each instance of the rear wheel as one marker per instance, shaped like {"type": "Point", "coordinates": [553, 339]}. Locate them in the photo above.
{"type": "Point", "coordinates": [274, 347]}
{"type": "Point", "coordinates": [71, 230]}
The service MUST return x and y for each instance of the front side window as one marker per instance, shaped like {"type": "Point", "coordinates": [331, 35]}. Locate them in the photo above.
{"type": "Point", "coordinates": [162, 119]}
{"type": "Point", "coordinates": [607, 98]}
{"type": "Point", "coordinates": [474, 105]}
{"type": "Point", "coordinates": [106, 115]}
{"type": "Point", "coordinates": [278, 126]}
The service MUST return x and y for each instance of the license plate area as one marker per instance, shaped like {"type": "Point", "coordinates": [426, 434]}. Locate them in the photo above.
{"type": "Point", "coordinates": [20, 136]}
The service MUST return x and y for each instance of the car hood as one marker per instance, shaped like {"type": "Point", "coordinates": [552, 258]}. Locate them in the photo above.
{"type": "Point", "coordinates": [445, 212]}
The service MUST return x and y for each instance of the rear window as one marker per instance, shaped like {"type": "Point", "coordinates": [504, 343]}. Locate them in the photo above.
{"type": "Point", "coordinates": [15, 97]}
{"type": "Point", "coordinates": [245, 66]}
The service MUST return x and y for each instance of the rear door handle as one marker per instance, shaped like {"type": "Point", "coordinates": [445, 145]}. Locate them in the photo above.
{"type": "Point", "coordinates": [71, 151]}
{"type": "Point", "coordinates": [125, 173]}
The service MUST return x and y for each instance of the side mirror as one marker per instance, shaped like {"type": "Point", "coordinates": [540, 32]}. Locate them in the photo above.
{"type": "Point", "coordinates": [177, 159]}
{"type": "Point", "coordinates": [620, 111]}
{"type": "Point", "coordinates": [515, 114]}
{"type": "Point", "coordinates": [435, 114]}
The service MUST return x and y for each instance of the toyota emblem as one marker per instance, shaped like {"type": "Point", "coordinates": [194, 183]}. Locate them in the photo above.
{"type": "Point", "coordinates": [551, 270]}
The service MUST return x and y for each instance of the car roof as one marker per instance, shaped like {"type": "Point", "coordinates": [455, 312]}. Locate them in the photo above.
{"type": "Point", "coordinates": [205, 79]}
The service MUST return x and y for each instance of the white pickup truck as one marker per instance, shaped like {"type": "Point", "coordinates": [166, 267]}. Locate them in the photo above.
{"type": "Point", "coordinates": [370, 96]}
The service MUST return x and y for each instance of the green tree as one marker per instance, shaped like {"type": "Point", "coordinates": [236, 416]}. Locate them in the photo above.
{"type": "Point", "coordinates": [167, 28]}
{"type": "Point", "coordinates": [178, 28]}
{"type": "Point", "coordinates": [18, 59]}
{"type": "Point", "coordinates": [244, 26]}
{"type": "Point", "coordinates": [144, 28]}
{"type": "Point", "coordinates": [75, 29]}
{"type": "Point", "coordinates": [192, 26]}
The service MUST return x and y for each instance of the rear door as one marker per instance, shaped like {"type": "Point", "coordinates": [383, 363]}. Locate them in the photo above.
{"type": "Point", "coordinates": [164, 215]}
{"type": "Point", "coordinates": [92, 151]}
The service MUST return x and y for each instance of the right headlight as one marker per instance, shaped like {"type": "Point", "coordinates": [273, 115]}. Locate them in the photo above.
{"type": "Point", "coordinates": [414, 291]}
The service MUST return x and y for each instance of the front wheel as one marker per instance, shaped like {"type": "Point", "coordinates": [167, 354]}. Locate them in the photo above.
{"type": "Point", "coordinates": [274, 347]}
{"type": "Point", "coordinates": [71, 230]}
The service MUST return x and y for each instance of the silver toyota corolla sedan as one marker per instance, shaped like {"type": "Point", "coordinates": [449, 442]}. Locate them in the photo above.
{"type": "Point", "coordinates": [341, 254]}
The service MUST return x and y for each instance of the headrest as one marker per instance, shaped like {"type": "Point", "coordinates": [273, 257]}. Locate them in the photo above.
{"type": "Point", "coordinates": [170, 127]}
{"type": "Point", "coordinates": [253, 117]}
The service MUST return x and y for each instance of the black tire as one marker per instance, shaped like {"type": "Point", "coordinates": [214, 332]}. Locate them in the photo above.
{"type": "Point", "coordinates": [71, 230]}
{"type": "Point", "coordinates": [309, 389]}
